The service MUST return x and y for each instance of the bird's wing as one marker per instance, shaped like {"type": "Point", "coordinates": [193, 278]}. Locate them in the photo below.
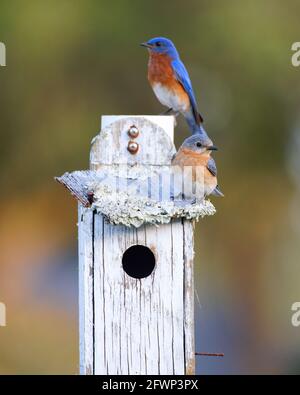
{"type": "Point", "coordinates": [212, 167]}
{"type": "Point", "coordinates": [217, 192]}
{"type": "Point", "coordinates": [182, 76]}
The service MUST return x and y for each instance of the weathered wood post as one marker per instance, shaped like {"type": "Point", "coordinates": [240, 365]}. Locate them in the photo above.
{"type": "Point", "coordinates": [136, 298]}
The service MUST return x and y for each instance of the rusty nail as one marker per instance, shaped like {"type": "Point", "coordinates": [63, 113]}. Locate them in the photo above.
{"type": "Point", "coordinates": [133, 131]}
{"type": "Point", "coordinates": [209, 354]}
{"type": "Point", "coordinates": [90, 197]}
{"type": "Point", "coordinates": [133, 147]}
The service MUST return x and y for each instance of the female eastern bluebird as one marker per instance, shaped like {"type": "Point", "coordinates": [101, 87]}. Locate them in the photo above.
{"type": "Point", "coordinates": [170, 81]}
{"type": "Point", "coordinates": [195, 152]}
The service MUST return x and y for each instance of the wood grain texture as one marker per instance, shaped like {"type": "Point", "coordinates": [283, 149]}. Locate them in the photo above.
{"type": "Point", "coordinates": [128, 325]}
{"type": "Point", "coordinates": [141, 324]}
{"type": "Point", "coordinates": [86, 286]}
{"type": "Point", "coordinates": [76, 183]}
{"type": "Point", "coordinates": [189, 315]}
{"type": "Point", "coordinates": [166, 122]}
{"type": "Point", "coordinates": [110, 145]}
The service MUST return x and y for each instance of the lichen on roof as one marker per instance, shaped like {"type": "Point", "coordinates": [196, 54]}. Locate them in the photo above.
{"type": "Point", "coordinates": [123, 208]}
{"type": "Point", "coordinates": [123, 197]}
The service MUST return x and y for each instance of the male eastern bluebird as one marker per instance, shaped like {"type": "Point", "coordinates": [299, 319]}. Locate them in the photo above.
{"type": "Point", "coordinates": [170, 81]}
{"type": "Point", "coordinates": [195, 152]}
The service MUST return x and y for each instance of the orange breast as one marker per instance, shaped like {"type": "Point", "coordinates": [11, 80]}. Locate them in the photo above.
{"type": "Point", "coordinates": [160, 72]}
{"type": "Point", "coordinates": [186, 157]}
{"type": "Point", "coordinates": [159, 69]}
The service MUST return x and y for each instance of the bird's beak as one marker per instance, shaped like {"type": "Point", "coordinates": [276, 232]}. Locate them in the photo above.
{"type": "Point", "coordinates": [212, 148]}
{"type": "Point", "coordinates": [146, 45]}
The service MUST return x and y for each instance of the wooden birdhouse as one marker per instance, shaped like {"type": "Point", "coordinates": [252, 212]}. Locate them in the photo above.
{"type": "Point", "coordinates": [136, 282]}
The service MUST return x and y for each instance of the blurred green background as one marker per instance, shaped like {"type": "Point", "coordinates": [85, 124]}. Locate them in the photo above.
{"type": "Point", "coordinates": [68, 62]}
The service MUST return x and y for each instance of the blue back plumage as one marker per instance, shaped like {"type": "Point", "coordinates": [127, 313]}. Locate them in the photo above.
{"type": "Point", "coordinates": [183, 77]}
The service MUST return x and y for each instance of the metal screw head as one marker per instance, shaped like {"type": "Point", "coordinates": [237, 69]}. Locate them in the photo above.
{"type": "Point", "coordinates": [133, 132]}
{"type": "Point", "coordinates": [133, 147]}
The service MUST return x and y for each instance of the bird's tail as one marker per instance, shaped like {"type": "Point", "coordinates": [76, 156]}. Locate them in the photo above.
{"type": "Point", "coordinates": [217, 192]}
{"type": "Point", "coordinates": [198, 117]}
{"type": "Point", "coordinates": [194, 120]}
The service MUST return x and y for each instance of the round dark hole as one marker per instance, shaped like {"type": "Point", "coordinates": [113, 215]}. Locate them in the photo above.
{"type": "Point", "coordinates": [138, 261]}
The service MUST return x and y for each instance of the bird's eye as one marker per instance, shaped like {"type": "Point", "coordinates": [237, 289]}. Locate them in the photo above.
{"type": "Point", "coordinates": [158, 44]}
{"type": "Point", "coordinates": [198, 144]}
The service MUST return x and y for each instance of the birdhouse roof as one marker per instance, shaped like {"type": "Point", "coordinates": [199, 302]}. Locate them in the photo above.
{"type": "Point", "coordinates": [128, 204]}
{"type": "Point", "coordinates": [129, 188]}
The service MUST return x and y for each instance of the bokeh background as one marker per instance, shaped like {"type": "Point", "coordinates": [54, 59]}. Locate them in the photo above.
{"type": "Point", "coordinates": [68, 62]}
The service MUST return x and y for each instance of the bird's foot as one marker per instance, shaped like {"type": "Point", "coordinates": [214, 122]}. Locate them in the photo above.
{"type": "Point", "coordinates": [169, 111]}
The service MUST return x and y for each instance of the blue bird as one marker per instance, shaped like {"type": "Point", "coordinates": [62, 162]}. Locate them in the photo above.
{"type": "Point", "coordinates": [171, 83]}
